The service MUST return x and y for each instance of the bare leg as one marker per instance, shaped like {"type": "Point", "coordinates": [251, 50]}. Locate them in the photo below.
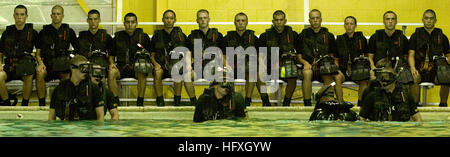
{"type": "Point", "coordinates": [112, 81]}
{"type": "Point", "coordinates": [177, 87]}
{"type": "Point", "coordinates": [414, 89]}
{"type": "Point", "coordinates": [40, 83]}
{"type": "Point", "coordinates": [158, 82]}
{"type": "Point", "coordinates": [249, 89]}
{"type": "Point", "coordinates": [444, 93]}
{"type": "Point", "coordinates": [362, 87]}
{"type": "Point", "coordinates": [3, 90]}
{"type": "Point", "coordinates": [339, 78]}
{"type": "Point", "coordinates": [27, 86]}
{"type": "Point", "coordinates": [290, 88]}
{"type": "Point", "coordinates": [307, 84]}
{"type": "Point", "coordinates": [142, 82]}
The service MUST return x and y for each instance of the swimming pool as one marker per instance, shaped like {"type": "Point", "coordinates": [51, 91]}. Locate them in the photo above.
{"type": "Point", "coordinates": [177, 122]}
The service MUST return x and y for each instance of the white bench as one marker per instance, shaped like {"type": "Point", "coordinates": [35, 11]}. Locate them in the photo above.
{"type": "Point", "coordinates": [15, 86]}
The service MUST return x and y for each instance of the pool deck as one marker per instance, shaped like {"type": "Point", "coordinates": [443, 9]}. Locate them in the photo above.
{"type": "Point", "coordinates": [191, 108]}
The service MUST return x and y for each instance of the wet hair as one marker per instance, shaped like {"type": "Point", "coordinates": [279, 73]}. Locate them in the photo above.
{"type": "Point", "coordinates": [130, 15]}
{"type": "Point", "coordinates": [387, 12]}
{"type": "Point", "coordinates": [430, 11]}
{"type": "Point", "coordinates": [241, 14]}
{"type": "Point", "coordinates": [171, 11]}
{"type": "Point", "coordinates": [21, 7]}
{"type": "Point", "coordinates": [58, 7]}
{"type": "Point", "coordinates": [94, 11]}
{"type": "Point", "coordinates": [278, 13]}
{"type": "Point", "coordinates": [351, 17]}
{"type": "Point", "coordinates": [315, 10]}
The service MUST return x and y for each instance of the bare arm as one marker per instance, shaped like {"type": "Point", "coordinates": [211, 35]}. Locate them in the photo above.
{"type": "Point", "coordinates": [1, 61]}
{"type": "Point", "coordinates": [448, 58]}
{"type": "Point", "coordinates": [305, 63]}
{"type": "Point", "coordinates": [153, 60]}
{"type": "Point", "coordinates": [336, 61]}
{"type": "Point", "coordinates": [114, 114]}
{"type": "Point", "coordinates": [417, 117]}
{"type": "Point", "coordinates": [152, 57]}
{"type": "Point", "coordinates": [38, 57]}
{"type": "Point", "coordinates": [411, 60]}
{"type": "Point", "coordinates": [372, 64]}
{"type": "Point", "coordinates": [362, 119]}
{"type": "Point", "coordinates": [1, 58]}
{"type": "Point", "coordinates": [51, 114]}
{"type": "Point", "coordinates": [111, 60]}
{"type": "Point", "coordinates": [100, 113]}
{"type": "Point", "coordinates": [412, 63]}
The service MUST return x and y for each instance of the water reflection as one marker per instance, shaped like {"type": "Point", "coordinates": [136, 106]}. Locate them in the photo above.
{"type": "Point", "coordinates": [223, 128]}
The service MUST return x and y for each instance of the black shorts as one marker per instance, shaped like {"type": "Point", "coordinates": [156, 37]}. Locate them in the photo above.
{"type": "Point", "coordinates": [166, 73]}
{"type": "Point", "coordinates": [348, 76]}
{"type": "Point", "coordinates": [428, 76]}
{"type": "Point", "coordinates": [11, 74]}
{"type": "Point", "coordinates": [126, 71]}
{"type": "Point", "coordinates": [110, 106]}
{"type": "Point", "coordinates": [316, 76]}
{"type": "Point", "coordinates": [51, 74]}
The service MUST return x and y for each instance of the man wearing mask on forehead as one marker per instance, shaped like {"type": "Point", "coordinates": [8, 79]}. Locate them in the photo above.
{"type": "Point", "coordinates": [386, 99]}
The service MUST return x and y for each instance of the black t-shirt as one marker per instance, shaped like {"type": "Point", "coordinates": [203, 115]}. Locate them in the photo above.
{"type": "Point", "coordinates": [397, 41]}
{"type": "Point", "coordinates": [229, 107]}
{"type": "Point", "coordinates": [83, 99]}
{"type": "Point", "coordinates": [373, 104]}
{"type": "Point", "coordinates": [123, 43]}
{"type": "Point", "coordinates": [166, 38]}
{"type": "Point", "coordinates": [191, 38]}
{"type": "Point", "coordinates": [18, 35]}
{"type": "Point", "coordinates": [48, 33]}
{"type": "Point", "coordinates": [108, 97]}
{"type": "Point", "coordinates": [445, 42]}
{"type": "Point", "coordinates": [262, 41]}
{"type": "Point", "coordinates": [90, 42]}
{"type": "Point", "coordinates": [240, 40]}
{"type": "Point", "coordinates": [279, 37]}
{"type": "Point", "coordinates": [247, 39]}
{"type": "Point", "coordinates": [350, 48]}
{"type": "Point", "coordinates": [330, 40]}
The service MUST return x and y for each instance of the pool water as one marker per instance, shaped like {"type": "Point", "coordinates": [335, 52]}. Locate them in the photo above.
{"type": "Point", "coordinates": [261, 125]}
